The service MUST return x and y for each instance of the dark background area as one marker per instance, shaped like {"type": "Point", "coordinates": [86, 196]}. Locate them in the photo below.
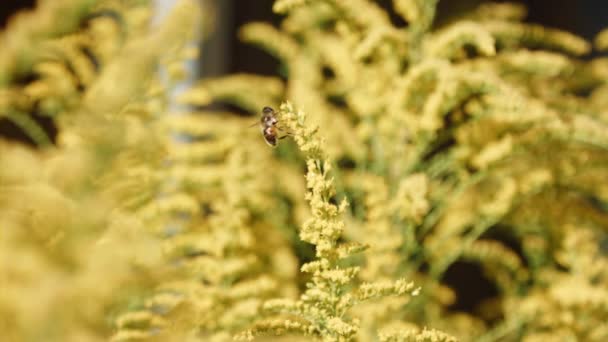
{"type": "Point", "coordinates": [225, 54]}
{"type": "Point", "coordinates": [222, 53]}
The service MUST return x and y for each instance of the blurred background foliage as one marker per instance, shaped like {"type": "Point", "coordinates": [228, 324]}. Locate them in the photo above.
{"type": "Point", "coordinates": [469, 142]}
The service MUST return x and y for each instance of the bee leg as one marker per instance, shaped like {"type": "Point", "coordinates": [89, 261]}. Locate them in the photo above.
{"type": "Point", "coordinates": [286, 132]}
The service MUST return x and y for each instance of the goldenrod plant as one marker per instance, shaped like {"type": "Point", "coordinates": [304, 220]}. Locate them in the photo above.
{"type": "Point", "coordinates": [405, 148]}
{"type": "Point", "coordinates": [462, 143]}
{"type": "Point", "coordinates": [323, 310]}
{"type": "Point", "coordinates": [75, 251]}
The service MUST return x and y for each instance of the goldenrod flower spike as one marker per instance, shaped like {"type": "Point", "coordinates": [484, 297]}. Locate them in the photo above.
{"type": "Point", "coordinates": [323, 310]}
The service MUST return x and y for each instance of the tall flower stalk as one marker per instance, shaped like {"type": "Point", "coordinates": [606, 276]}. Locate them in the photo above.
{"type": "Point", "coordinates": [322, 311]}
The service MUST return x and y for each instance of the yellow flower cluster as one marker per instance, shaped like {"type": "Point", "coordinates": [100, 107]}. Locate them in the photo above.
{"type": "Point", "coordinates": [468, 159]}
{"type": "Point", "coordinates": [323, 310]}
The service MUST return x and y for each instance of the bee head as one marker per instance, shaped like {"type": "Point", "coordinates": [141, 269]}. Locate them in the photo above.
{"type": "Point", "coordinates": [268, 118]}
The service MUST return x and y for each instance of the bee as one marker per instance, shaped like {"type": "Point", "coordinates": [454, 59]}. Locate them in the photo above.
{"type": "Point", "coordinates": [270, 129]}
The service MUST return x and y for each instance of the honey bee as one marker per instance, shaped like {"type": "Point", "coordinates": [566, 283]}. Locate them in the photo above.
{"type": "Point", "coordinates": [269, 128]}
